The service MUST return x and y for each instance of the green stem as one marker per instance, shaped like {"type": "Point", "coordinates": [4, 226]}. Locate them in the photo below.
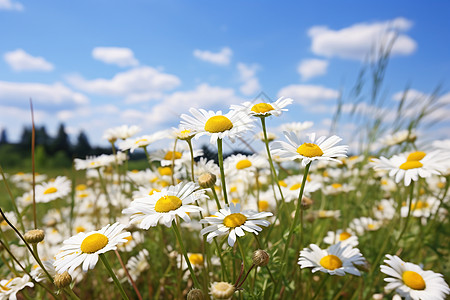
{"type": "Point", "coordinates": [293, 224]}
{"type": "Point", "coordinates": [411, 194]}
{"type": "Point", "coordinates": [222, 262]}
{"type": "Point", "coordinates": [16, 210]}
{"type": "Point", "coordinates": [222, 171]}
{"type": "Point", "coordinates": [241, 250]}
{"type": "Point", "coordinates": [102, 183]}
{"type": "Point", "coordinates": [113, 276]}
{"type": "Point", "coordinates": [192, 158]}
{"type": "Point", "coordinates": [216, 198]}
{"type": "Point", "coordinates": [177, 233]}
{"type": "Point", "coordinates": [320, 287]}
{"type": "Point", "coordinates": [72, 295]}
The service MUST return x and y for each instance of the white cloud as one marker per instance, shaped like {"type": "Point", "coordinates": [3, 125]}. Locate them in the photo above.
{"type": "Point", "coordinates": [19, 60]}
{"type": "Point", "coordinates": [45, 94]}
{"type": "Point", "coordinates": [123, 57]}
{"type": "Point", "coordinates": [220, 58]}
{"type": "Point", "coordinates": [308, 95]}
{"type": "Point", "coordinates": [247, 75]}
{"type": "Point", "coordinates": [169, 110]}
{"type": "Point", "coordinates": [10, 5]}
{"type": "Point", "coordinates": [357, 41]}
{"type": "Point", "coordinates": [134, 83]}
{"type": "Point", "coordinates": [310, 68]}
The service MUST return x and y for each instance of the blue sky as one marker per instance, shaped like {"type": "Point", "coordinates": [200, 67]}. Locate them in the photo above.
{"type": "Point", "coordinates": [100, 64]}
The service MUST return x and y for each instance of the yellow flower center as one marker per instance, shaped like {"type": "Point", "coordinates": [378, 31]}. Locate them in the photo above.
{"type": "Point", "coordinates": [50, 190]}
{"type": "Point", "coordinates": [242, 164]}
{"type": "Point", "coordinates": [419, 205]}
{"type": "Point", "coordinates": [134, 171]}
{"type": "Point", "coordinates": [325, 174]}
{"type": "Point", "coordinates": [165, 171]}
{"type": "Point", "coordinates": [169, 155]}
{"type": "Point", "coordinates": [416, 156]}
{"type": "Point", "coordinates": [80, 229]}
{"type": "Point", "coordinates": [262, 108]}
{"type": "Point", "coordinates": [233, 189]}
{"type": "Point", "coordinates": [235, 200]}
{"type": "Point", "coordinates": [167, 203]}
{"type": "Point", "coordinates": [380, 207]}
{"type": "Point", "coordinates": [234, 220]}
{"type": "Point", "coordinates": [336, 185]}
{"type": "Point", "coordinates": [411, 165]}
{"type": "Point", "coordinates": [309, 150]}
{"type": "Point", "coordinates": [218, 124]}
{"type": "Point", "coordinates": [129, 239]}
{"type": "Point", "coordinates": [371, 227]}
{"type": "Point", "coordinates": [196, 259]}
{"type": "Point", "coordinates": [263, 205]}
{"type": "Point", "coordinates": [4, 287]}
{"type": "Point", "coordinates": [81, 187]}
{"type": "Point", "coordinates": [84, 195]}
{"type": "Point", "coordinates": [331, 262]}
{"type": "Point", "coordinates": [344, 235]}
{"type": "Point", "coordinates": [140, 141]}
{"type": "Point", "coordinates": [93, 243]}
{"type": "Point", "coordinates": [413, 280]}
{"type": "Point", "coordinates": [153, 191]}
{"type": "Point", "coordinates": [185, 132]}
{"type": "Point", "coordinates": [295, 186]}
{"type": "Point", "coordinates": [282, 183]}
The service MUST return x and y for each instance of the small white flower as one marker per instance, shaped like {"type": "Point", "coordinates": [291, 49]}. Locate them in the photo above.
{"type": "Point", "coordinates": [263, 109]}
{"type": "Point", "coordinates": [346, 237]}
{"type": "Point", "coordinates": [230, 220]}
{"type": "Point", "coordinates": [413, 165]}
{"type": "Point", "coordinates": [142, 141]}
{"type": "Point", "coordinates": [163, 207]}
{"type": "Point", "coordinates": [84, 248]}
{"type": "Point", "coordinates": [321, 149]}
{"type": "Point", "coordinates": [53, 190]}
{"type": "Point", "coordinates": [412, 282]}
{"type": "Point", "coordinates": [336, 260]}
{"type": "Point", "coordinates": [216, 125]}
{"type": "Point", "coordinates": [122, 132]}
{"type": "Point", "coordinates": [9, 288]}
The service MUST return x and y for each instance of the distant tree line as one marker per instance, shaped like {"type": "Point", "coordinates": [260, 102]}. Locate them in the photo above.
{"type": "Point", "coordinates": [56, 151]}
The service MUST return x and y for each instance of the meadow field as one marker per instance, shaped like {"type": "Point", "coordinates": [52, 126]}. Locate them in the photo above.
{"type": "Point", "coordinates": [305, 216]}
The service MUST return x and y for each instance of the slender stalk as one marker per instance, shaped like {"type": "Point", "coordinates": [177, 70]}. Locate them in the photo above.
{"type": "Point", "coordinates": [293, 224]}
{"type": "Point", "coordinates": [33, 166]}
{"type": "Point", "coordinates": [189, 142]}
{"type": "Point", "coordinates": [241, 250]}
{"type": "Point", "coordinates": [222, 171]}
{"type": "Point", "coordinates": [26, 272]}
{"type": "Point", "coordinates": [216, 198]}
{"type": "Point", "coordinates": [113, 276]}
{"type": "Point", "coordinates": [72, 295]}
{"type": "Point", "coordinates": [272, 168]}
{"type": "Point", "coordinates": [411, 194]}
{"type": "Point", "coordinates": [35, 255]}
{"type": "Point", "coordinates": [105, 190]}
{"type": "Point", "coordinates": [183, 249]}
{"type": "Point", "coordinates": [320, 287]}
{"type": "Point", "coordinates": [222, 262]}
{"type": "Point", "coordinates": [16, 210]}
{"type": "Point", "coordinates": [128, 274]}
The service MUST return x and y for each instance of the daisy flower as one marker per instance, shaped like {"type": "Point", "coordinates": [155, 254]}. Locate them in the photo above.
{"type": "Point", "coordinates": [138, 264]}
{"type": "Point", "coordinates": [384, 209]}
{"type": "Point", "coordinates": [122, 132]}
{"type": "Point", "coordinates": [398, 138]}
{"type": "Point", "coordinates": [413, 165]}
{"type": "Point", "coordinates": [52, 190]}
{"type": "Point", "coordinates": [163, 207]}
{"type": "Point", "coordinates": [297, 127]}
{"type": "Point", "coordinates": [9, 288]}
{"type": "Point", "coordinates": [363, 224]}
{"type": "Point", "coordinates": [84, 248]}
{"type": "Point", "coordinates": [346, 237]}
{"type": "Point", "coordinates": [412, 282]}
{"type": "Point", "coordinates": [336, 260]}
{"type": "Point", "coordinates": [240, 162]}
{"type": "Point", "coordinates": [230, 220]}
{"type": "Point", "coordinates": [321, 149]}
{"type": "Point", "coordinates": [216, 125]}
{"type": "Point", "coordinates": [263, 109]}
{"type": "Point", "coordinates": [104, 160]}
{"type": "Point", "coordinates": [142, 141]}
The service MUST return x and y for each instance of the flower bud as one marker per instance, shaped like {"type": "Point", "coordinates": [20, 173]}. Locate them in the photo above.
{"type": "Point", "coordinates": [260, 258]}
{"type": "Point", "coordinates": [62, 280]}
{"type": "Point", "coordinates": [222, 290]}
{"type": "Point", "coordinates": [207, 180]}
{"type": "Point", "coordinates": [34, 236]}
{"type": "Point", "coordinates": [195, 294]}
{"type": "Point", "coordinates": [306, 202]}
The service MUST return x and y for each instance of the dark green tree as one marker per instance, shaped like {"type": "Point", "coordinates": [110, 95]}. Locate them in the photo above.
{"type": "Point", "coordinates": [4, 137]}
{"type": "Point", "coordinates": [82, 147]}
{"type": "Point", "coordinates": [61, 142]}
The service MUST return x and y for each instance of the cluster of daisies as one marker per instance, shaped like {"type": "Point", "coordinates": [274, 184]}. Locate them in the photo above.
{"type": "Point", "coordinates": [300, 190]}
